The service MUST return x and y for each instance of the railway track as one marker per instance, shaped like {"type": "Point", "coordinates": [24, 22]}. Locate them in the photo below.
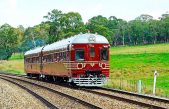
{"type": "Point", "coordinates": [133, 101]}
{"type": "Point", "coordinates": [133, 98]}
{"type": "Point", "coordinates": [165, 100]}
{"type": "Point", "coordinates": [43, 100]}
{"type": "Point", "coordinates": [50, 105]}
{"type": "Point", "coordinates": [108, 92]}
{"type": "Point", "coordinates": [120, 96]}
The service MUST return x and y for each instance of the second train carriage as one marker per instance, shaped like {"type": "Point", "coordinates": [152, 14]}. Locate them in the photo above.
{"type": "Point", "coordinates": [82, 59]}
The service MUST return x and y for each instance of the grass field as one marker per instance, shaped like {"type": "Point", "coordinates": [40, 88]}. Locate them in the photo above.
{"type": "Point", "coordinates": [141, 67]}
{"type": "Point", "coordinates": [157, 48]}
{"type": "Point", "coordinates": [133, 63]}
{"type": "Point", "coordinates": [128, 63]}
{"type": "Point", "coordinates": [14, 65]}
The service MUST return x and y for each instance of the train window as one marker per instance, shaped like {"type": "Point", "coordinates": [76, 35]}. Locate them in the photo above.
{"type": "Point", "coordinates": [60, 57]}
{"type": "Point", "coordinates": [49, 58]}
{"type": "Point", "coordinates": [92, 52]}
{"type": "Point", "coordinates": [25, 60]}
{"type": "Point", "coordinates": [55, 57]}
{"type": "Point", "coordinates": [104, 54]}
{"type": "Point", "coordinates": [67, 56]}
{"type": "Point", "coordinates": [64, 56]}
{"type": "Point", "coordinates": [40, 59]}
{"type": "Point", "coordinates": [52, 57]}
{"type": "Point", "coordinates": [79, 55]}
{"type": "Point", "coordinates": [28, 60]}
{"type": "Point", "coordinates": [31, 60]}
{"type": "Point", "coordinates": [37, 59]}
{"type": "Point", "coordinates": [44, 58]}
{"type": "Point", "coordinates": [34, 59]}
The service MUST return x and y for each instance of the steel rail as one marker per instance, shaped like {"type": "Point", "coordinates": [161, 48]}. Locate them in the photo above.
{"type": "Point", "coordinates": [151, 106]}
{"type": "Point", "coordinates": [43, 100]}
{"type": "Point", "coordinates": [124, 99]}
{"type": "Point", "coordinates": [165, 100]}
{"type": "Point", "coordinates": [92, 106]}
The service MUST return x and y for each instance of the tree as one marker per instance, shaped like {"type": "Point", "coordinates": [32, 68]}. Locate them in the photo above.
{"type": "Point", "coordinates": [54, 20]}
{"type": "Point", "coordinates": [164, 31]}
{"type": "Point", "coordinates": [154, 30]}
{"type": "Point", "coordinates": [122, 25]}
{"type": "Point", "coordinates": [34, 37]}
{"type": "Point", "coordinates": [72, 22]}
{"type": "Point", "coordinates": [99, 24]}
{"type": "Point", "coordinates": [165, 15]}
{"type": "Point", "coordinates": [144, 17]}
{"type": "Point", "coordinates": [8, 41]}
{"type": "Point", "coordinates": [63, 25]}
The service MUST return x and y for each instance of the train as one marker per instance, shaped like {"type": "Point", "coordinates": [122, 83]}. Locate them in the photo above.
{"type": "Point", "coordinates": [82, 60]}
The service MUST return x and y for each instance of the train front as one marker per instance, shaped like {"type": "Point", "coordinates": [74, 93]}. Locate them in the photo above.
{"type": "Point", "coordinates": [89, 60]}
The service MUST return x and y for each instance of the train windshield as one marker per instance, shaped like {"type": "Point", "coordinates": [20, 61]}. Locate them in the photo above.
{"type": "Point", "coordinates": [79, 55]}
{"type": "Point", "coordinates": [92, 52]}
{"type": "Point", "coordinates": [104, 54]}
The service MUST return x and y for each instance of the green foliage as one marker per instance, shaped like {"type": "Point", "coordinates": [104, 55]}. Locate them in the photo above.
{"type": "Point", "coordinates": [58, 25]}
{"type": "Point", "coordinates": [100, 25]}
{"type": "Point", "coordinates": [143, 30]}
{"type": "Point", "coordinates": [17, 56]}
{"type": "Point", "coordinates": [63, 25]}
{"type": "Point", "coordinates": [8, 41]}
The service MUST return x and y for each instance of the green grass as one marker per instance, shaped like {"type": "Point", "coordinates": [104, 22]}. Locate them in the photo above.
{"type": "Point", "coordinates": [133, 63]}
{"type": "Point", "coordinates": [141, 67]}
{"type": "Point", "coordinates": [14, 64]}
{"type": "Point", "coordinates": [140, 63]}
{"type": "Point", "coordinates": [157, 48]}
{"type": "Point", "coordinates": [16, 56]}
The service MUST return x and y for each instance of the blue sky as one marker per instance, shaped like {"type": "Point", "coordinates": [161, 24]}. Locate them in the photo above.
{"type": "Point", "coordinates": [31, 12]}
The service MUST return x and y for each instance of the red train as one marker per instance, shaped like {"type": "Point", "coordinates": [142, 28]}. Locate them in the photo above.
{"type": "Point", "coordinates": [81, 59]}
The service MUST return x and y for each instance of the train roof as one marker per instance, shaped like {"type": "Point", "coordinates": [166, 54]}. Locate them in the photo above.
{"type": "Point", "coordinates": [33, 51]}
{"type": "Point", "coordinates": [77, 39]}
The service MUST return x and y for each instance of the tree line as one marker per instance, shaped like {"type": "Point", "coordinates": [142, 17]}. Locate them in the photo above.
{"type": "Point", "coordinates": [58, 25]}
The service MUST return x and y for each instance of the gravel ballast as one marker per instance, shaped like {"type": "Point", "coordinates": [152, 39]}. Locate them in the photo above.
{"type": "Point", "coordinates": [56, 99]}
{"type": "Point", "coordinates": [149, 101]}
{"type": "Point", "coordinates": [97, 100]}
{"type": "Point", "coordinates": [13, 97]}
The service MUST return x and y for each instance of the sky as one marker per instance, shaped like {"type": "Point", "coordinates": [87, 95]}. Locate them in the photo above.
{"type": "Point", "coordinates": [30, 12]}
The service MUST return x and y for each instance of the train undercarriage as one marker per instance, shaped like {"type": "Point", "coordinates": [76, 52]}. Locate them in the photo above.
{"type": "Point", "coordinates": [84, 80]}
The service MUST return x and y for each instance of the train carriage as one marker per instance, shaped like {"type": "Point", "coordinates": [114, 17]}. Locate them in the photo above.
{"type": "Point", "coordinates": [81, 59]}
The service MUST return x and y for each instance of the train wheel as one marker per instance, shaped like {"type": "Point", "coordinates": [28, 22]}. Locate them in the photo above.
{"type": "Point", "coordinates": [29, 75]}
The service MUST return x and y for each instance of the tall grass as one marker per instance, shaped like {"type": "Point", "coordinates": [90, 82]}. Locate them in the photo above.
{"type": "Point", "coordinates": [14, 64]}
{"type": "Point", "coordinates": [132, 85]}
